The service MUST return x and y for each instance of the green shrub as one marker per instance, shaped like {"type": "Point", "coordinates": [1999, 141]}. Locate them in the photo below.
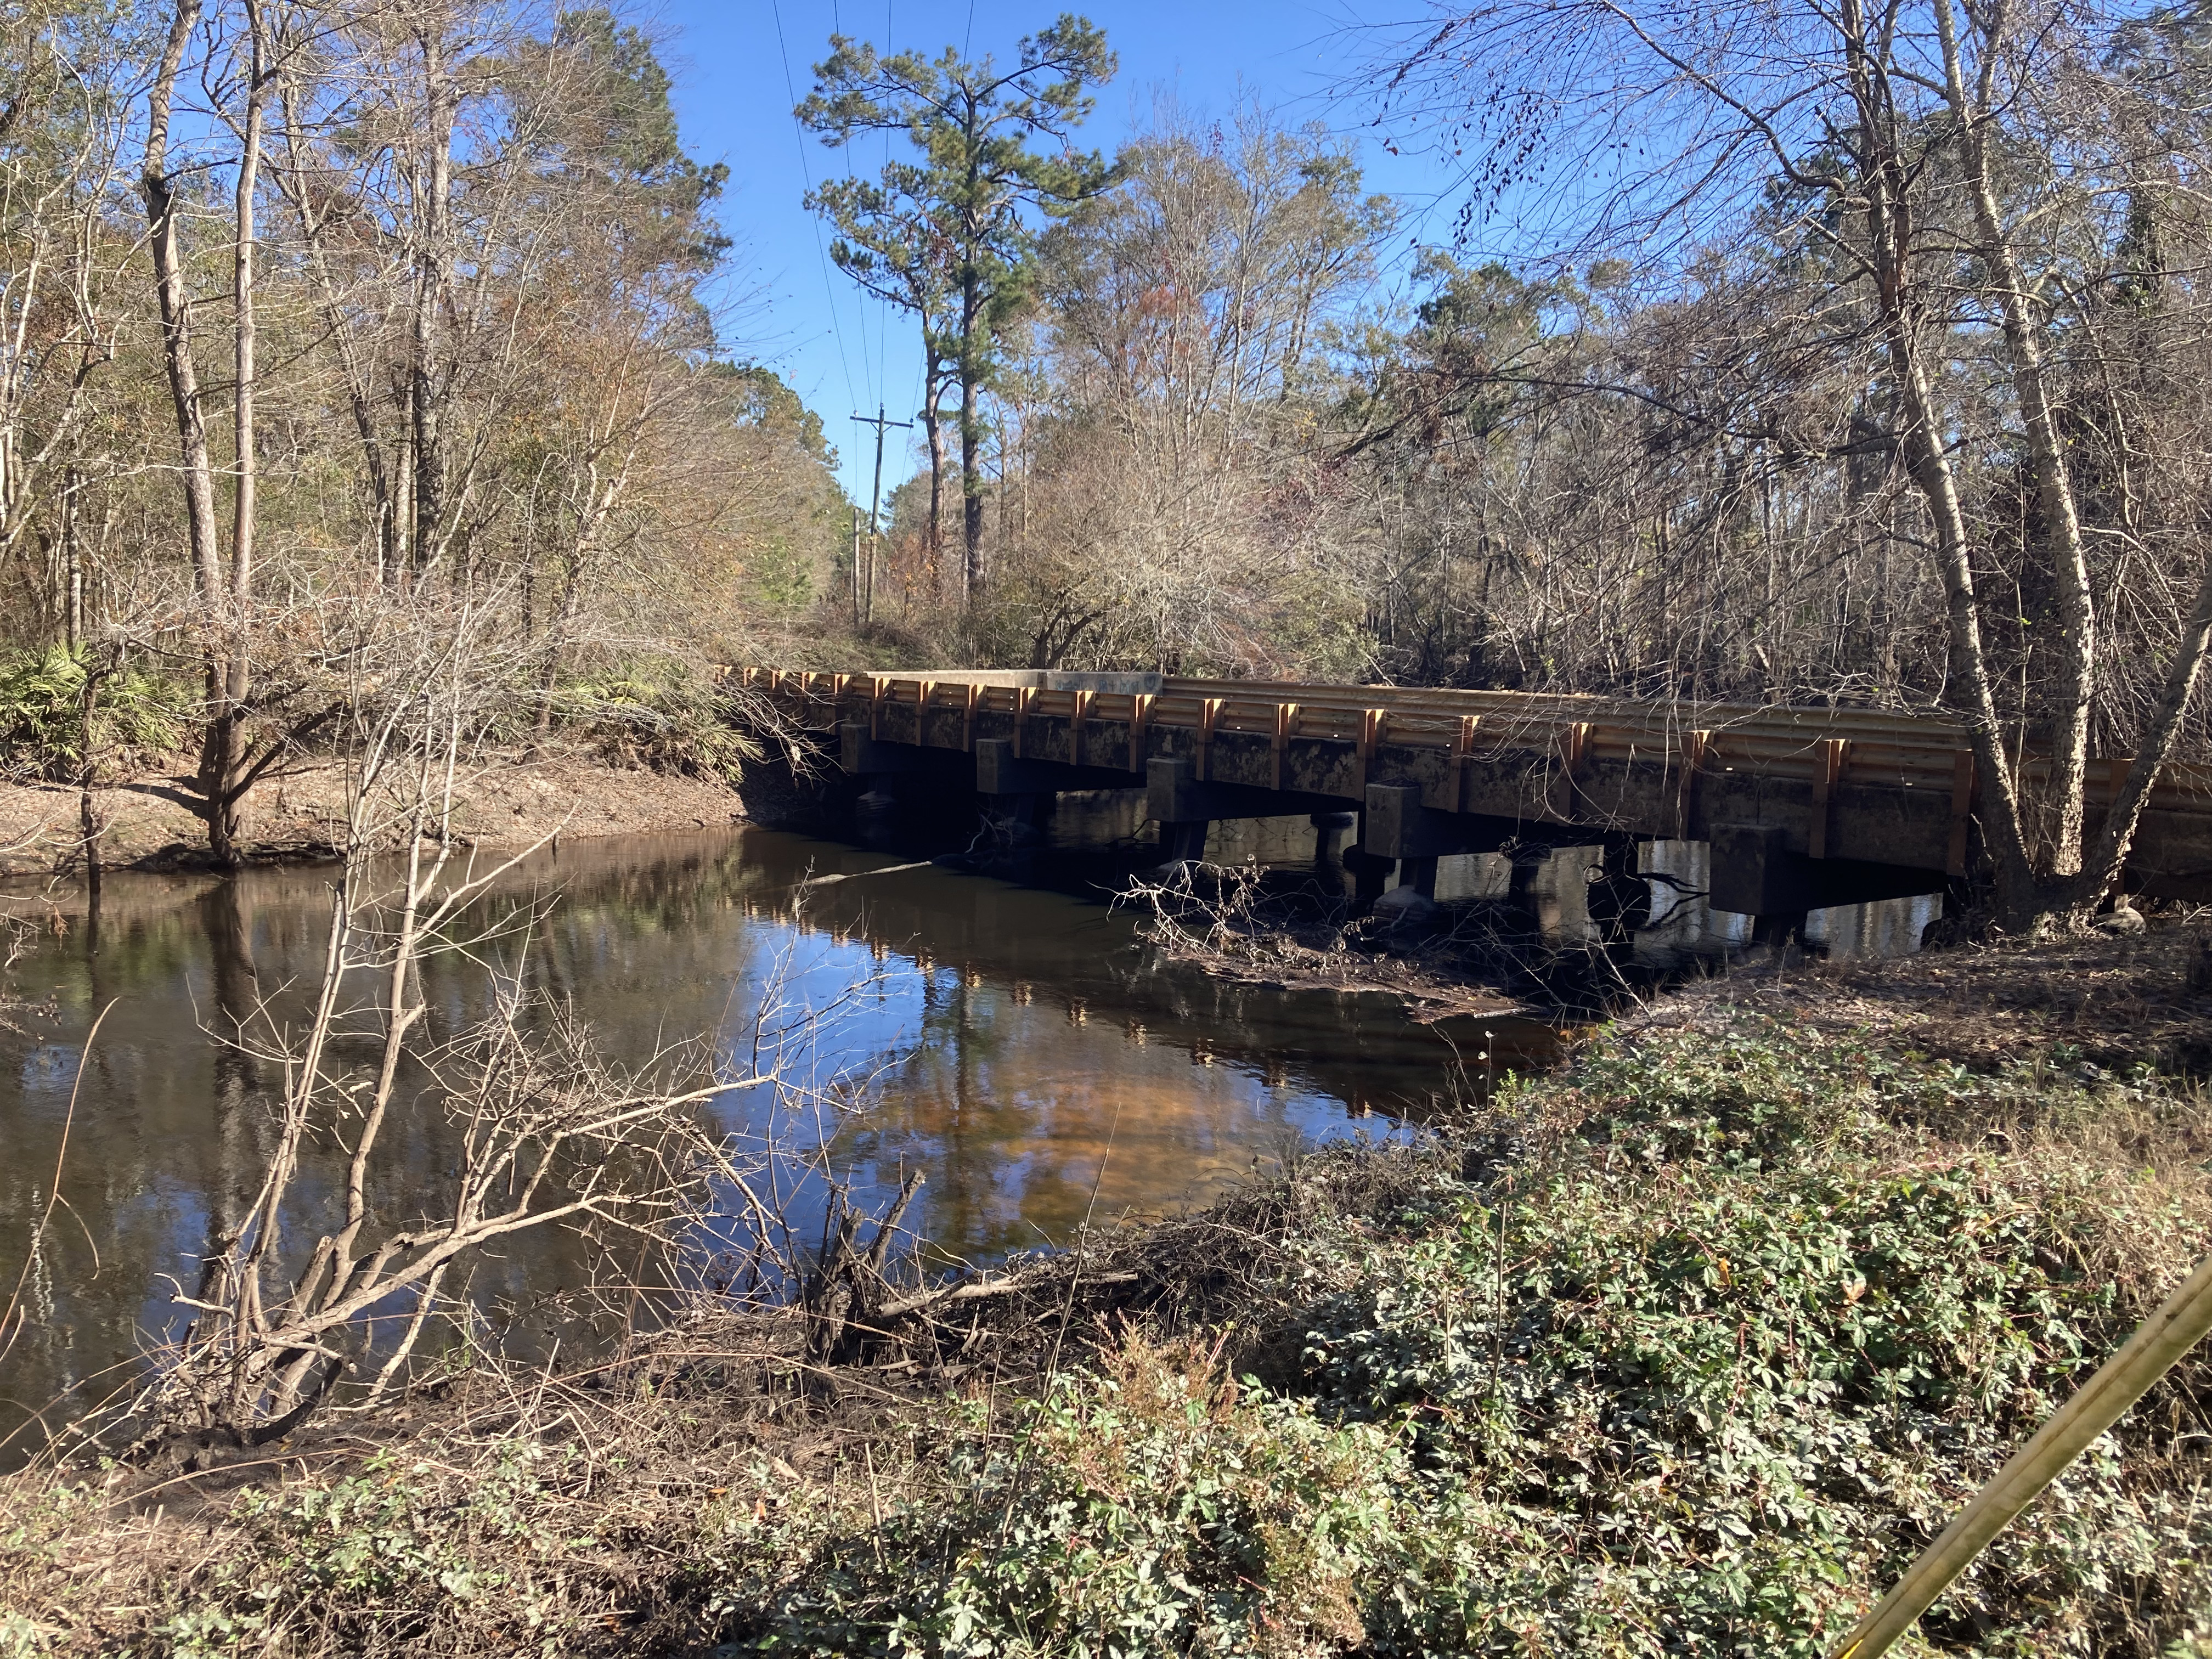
{"type": "Point", "coordinates": [365, 1553]}
{"type": "Point", "coordinates": [1694, 1378]}
{"type": "Point", "coordinates": [676, 726]}
{"type": "Point", "coordinates": [136, 716]}
{"type": "Point", "coordinates": [1153, 1507]}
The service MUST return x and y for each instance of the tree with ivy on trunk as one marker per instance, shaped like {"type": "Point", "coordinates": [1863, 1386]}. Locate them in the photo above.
{"type": "Point", "coordinates": [997, 153]}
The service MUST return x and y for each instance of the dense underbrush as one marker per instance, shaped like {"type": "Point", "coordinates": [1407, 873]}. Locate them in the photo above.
{"type": "Point", "coordinates": [1687, 1348]}
{"type": "Point", "coordinates": [62, 713]}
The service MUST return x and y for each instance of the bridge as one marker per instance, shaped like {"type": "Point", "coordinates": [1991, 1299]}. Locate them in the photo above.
{"type": "Point", "coordinates": [1802, 808]}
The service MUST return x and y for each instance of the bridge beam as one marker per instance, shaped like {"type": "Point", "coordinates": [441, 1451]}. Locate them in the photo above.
{"type": "Point", "coordinates": [1398, 826]}
{"type": "Point", "coordinates": [999, 771]}
{"type": "Point", "coordinates": [1174, 794]}
{"type": "Point", "coordinates": [1755, 872]}
{"type": "Point", "coordinates": [862, 755]}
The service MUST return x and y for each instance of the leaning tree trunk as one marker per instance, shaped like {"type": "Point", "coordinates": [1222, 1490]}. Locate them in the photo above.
{"type": "Point", "coordinates": [2108, 854]}
{"type": "Point", "coordinates": [1882, 178]}
{"type": "Point", "coordinates": [338, 325]}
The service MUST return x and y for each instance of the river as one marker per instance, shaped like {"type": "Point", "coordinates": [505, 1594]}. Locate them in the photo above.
{"type": "Point", "coordinates": [1019, 1043]}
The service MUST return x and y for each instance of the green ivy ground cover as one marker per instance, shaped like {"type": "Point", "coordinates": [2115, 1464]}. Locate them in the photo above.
{"type": "Point", "coordinates": [1691, 1381]}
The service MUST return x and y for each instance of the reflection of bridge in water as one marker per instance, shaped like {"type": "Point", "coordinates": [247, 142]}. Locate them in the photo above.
{"type": "Point", "coordinates": [1796, 809]}
{"type": "Point", "coordinates": [1070, 958]}
{"type": "Point", "coordinates": [1021, 1046]}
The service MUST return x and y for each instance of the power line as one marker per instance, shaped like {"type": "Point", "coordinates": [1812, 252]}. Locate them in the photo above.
{"type": "Point", "coordinates": [869, 377]}
{"type": "Point", "coordinates": [822, 252]}
{"type": "Point", "coordinates": [884, 305]}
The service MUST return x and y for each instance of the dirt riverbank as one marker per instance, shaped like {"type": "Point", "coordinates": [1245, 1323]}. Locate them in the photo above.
{"type": "Point", "coordinates": [507, 799]}
{"type": "Point", "coordinates": [2113, 1001]}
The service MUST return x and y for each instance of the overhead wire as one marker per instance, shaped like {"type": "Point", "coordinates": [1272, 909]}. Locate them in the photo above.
{"type": "Point", "coordinates": [883, 306]}
{"type": "Point", "coordinates": [806, 175]}
{"type": "Point", "coordinates": [871, 352]}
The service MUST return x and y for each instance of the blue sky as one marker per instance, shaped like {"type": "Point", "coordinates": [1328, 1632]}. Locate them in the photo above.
{"type": "Point", "coordinates": [733, 104]}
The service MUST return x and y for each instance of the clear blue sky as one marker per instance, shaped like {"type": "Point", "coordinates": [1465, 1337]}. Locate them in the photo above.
{"type": "Point", "coordinates": [734, 81]}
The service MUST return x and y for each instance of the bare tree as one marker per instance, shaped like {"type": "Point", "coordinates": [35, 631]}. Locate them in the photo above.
{"type": "Point", "coordinates": [61, 149]}
{"type": "Point", "coordinates": [1935, 210]}
{"type": "Point", "coordinates": [549, 1132]}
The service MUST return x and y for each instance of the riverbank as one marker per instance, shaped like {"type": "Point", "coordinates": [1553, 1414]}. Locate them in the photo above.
{"type": "Point", "coordinates": [1687, 1346]}
{"type": "Point", "coordinates": [513, 798]}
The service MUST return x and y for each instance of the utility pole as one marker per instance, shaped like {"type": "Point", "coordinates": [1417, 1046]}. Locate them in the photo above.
{"type": "Point", "coordinates": [875, 505]}
{"type": "Point", "coordinates": [857, 618]}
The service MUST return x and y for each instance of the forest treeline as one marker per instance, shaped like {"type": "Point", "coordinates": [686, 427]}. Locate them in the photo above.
{"type": "Point", "coordinates": [1846, 356]}
{"type": "Point", "coordinates": [316, 316]}
{"type": "Point", "coordinates": [1851, 355]}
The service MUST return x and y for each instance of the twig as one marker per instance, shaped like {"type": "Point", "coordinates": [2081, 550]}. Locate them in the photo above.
{"type": "Point", "coordinates": [54, 1192]}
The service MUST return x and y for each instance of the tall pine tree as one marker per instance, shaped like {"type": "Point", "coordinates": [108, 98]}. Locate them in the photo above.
{"type": "Point", "coordinates": [996, 156]}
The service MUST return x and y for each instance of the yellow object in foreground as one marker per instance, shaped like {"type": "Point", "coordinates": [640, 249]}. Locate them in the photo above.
{"type": "Point", "coordinates": [2178, 1326]}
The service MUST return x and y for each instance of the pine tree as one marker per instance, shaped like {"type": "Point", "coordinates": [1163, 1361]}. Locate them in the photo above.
{"type": "Point", "coordinates": [956, 232]}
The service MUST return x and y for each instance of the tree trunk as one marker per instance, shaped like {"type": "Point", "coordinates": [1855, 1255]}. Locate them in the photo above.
{"type": "Point", "coordinates": [1888, 225]}
{"type": "Point", "coordinates": [89, 821]}
{"type": "Point", "coordinates": [1931, 471]}
{"type": "Point", "coordinates": [2061, 525]}
{"type": "Point", "coordinates": [971, 494]}
{"type": "Point", "coordinates": [382, 504]}
{"type": "Point", "coordinates": [72, 558]}
{"type": "Point", "coordinates": [222, 765]}
{"type": "Point", "coordinates": [933, 426]}
{"type": "Point", "coordinates": [2101, 869]}
{"type": "Point", "coordinates": [196, 472]}
{"type": "Point", "coordinates": [170, 292]}
{"type": "Point", "coordinates": [427, 387]}
{"type": "Point", "coordinates": [971, 485]}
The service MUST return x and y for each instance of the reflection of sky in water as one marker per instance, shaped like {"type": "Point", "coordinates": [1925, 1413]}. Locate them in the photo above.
{"type": "Point", "coordinates": [1016, 1044]}
{"type": "Point", "coordinates": [1027, 1114]}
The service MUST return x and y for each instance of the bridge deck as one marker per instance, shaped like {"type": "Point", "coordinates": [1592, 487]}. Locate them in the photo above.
{"type": "Point", "coordinates": [1444, 770]}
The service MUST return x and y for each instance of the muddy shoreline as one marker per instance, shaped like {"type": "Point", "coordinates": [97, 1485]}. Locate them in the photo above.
{"type": "Point", "coordinates": [514, 798]}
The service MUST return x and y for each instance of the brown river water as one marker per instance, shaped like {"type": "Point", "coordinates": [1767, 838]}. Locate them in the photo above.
{"type": "Point", "coordinates": [1019, 1042]}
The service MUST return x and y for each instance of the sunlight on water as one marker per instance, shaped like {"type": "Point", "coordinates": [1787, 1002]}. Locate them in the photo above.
{"type": "Point", "coordinates": [1019, 1046]}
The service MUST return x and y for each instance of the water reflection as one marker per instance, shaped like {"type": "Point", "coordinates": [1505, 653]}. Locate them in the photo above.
{"type": "Point", "coordinates": [1017, 1045]}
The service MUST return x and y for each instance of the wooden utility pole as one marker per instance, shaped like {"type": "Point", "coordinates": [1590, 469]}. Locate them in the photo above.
{"type": "Point", "coordinates": [857, 618]}
{"type": "Point", "coordinates": [863, 602]}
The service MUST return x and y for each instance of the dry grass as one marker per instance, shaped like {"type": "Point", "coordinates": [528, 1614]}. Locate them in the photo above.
{"type": "Point", "coordinates": [606, 1477]}
{"type": "Point", "coordinates": [2111, 1001]}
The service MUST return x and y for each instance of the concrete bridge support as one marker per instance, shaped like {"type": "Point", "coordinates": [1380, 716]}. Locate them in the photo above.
{"type": "Point", "coordinates": [1018, 792]}
{"type": "Point", "coordinates": [1330, 831]}
{"type": "Point", "coordinates": [1185, 806]}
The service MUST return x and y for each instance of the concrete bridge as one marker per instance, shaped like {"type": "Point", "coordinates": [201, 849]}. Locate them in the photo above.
{"type": "Point", "coordinates": [1802, 808]}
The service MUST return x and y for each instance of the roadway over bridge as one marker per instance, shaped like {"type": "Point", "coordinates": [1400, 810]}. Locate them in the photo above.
{"type": "Point", "coordinates": [1803, 808]}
